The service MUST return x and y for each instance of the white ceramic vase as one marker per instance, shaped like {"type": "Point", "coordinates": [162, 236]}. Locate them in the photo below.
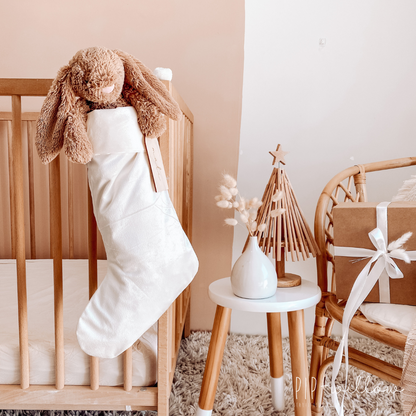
{"type": "Point", "coordinates": [253, 275]}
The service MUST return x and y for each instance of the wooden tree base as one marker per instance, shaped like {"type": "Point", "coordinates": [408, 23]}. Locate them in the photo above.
{"type": "Point", "coordinates": [289, 280]}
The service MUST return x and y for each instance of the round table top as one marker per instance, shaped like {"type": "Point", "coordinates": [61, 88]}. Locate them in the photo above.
{"type": "Point", "coordinates": [284, 300]}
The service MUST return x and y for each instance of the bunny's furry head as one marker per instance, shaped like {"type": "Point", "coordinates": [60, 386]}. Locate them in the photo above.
{"type": "Point", "coordinates": [98, 78]}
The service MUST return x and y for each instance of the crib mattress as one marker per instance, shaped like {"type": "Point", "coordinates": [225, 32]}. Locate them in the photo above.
{"type": "Point", "coordinates": [41, 328]}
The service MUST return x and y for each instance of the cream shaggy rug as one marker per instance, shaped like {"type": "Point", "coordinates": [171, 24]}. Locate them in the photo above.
{"type": "Point", "coordinates": [244, 383]}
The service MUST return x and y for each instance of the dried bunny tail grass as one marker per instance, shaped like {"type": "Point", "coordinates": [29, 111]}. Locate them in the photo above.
{"type": "Point", "coordinates": [408, 190]}
{"type": "Point", "coordinates": [252, 202]}
{"type": "Point", "coordinates": [229, 181]}
{"type": "Point", "coordinates": [257, 205]}
{"type": "Point", "coordinates": [231, 221]}
{"type": "Point", "coordinates": [244, 218]}
{"type": "Point", "coordinates": [247, 208]}
{"type": "Point", "coordinates": [400, 254]}
{"type": "Point", "coordinates": [222, 204]}
{"type": "Point", "coordinates": [277, 196]}
{"type": "Point", "coordinates": [253, 214]}
{"type": "Point", "coordinates": [277, 212]}
{"type": "Point", "coordinates": [225, 192]}
{"type": "Point", "coordinates": [261, 227]}
{"type": "Point", "coordinates": [394, 245]}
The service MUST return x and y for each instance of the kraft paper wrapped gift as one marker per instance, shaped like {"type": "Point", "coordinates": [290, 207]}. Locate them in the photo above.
{"type": "Point", "coordinates": [352, 224]}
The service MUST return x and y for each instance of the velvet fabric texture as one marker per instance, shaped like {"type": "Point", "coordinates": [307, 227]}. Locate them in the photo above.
{"type": "Point", "coordinates": [150, 259]}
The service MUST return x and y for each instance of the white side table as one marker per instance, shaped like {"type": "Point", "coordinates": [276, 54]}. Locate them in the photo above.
{"type": "Point", "coordinates": [291, 300]}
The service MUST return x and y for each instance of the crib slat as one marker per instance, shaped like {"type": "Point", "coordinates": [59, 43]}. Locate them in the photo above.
{"type": "Point", "coordinates": [93, 283]}
{"type": "Point", "coordinates": [128, 369]}
{"type": "Point", "coordinates": [92, 248]}
{"type": "Point", "coordinates": [163, 363]}
{"type": "Point", "coordinates": [11, 189]}
{"type": "Point", "coordinates": [30, 138]}
{"type": "Point", "coordinates": [187, 323]}
{"type": "Point", "coordinates": [19, 237]}
{"type": "Point", "coordinates": [71, 209]}
{"type": "Point", "coordinates": [56, 251]}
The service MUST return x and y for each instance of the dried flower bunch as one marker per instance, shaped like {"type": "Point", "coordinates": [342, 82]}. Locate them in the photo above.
{"type": "Point", "coordinates": [247, 208]}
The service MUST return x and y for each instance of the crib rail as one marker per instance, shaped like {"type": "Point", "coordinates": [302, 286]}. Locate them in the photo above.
{"type": "Point", "coordinates": [74, 235]}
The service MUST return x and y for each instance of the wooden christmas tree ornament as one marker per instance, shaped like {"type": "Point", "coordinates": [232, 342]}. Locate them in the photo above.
{"type": "Point", "coordinates": [286, 233]}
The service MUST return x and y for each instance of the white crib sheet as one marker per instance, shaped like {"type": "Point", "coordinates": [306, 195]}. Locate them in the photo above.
{"type": "Point", "coordinates": [41, 328]}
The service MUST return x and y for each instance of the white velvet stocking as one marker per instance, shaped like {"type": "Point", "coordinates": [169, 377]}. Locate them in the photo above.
{"type": "Point", "coordinates": [150, 259]}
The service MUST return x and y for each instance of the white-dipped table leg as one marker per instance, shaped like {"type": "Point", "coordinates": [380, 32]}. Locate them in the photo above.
{"type": "Point", "coordinates": [200, 412]}
{"type": "Point", "coordinates": [278, 393]}
{"type": "Point", "coordinates": [276, 360]}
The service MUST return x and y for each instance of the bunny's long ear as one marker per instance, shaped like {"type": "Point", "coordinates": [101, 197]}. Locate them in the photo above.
{"type": "Point", "coordinates": [53, 115]}
{"type": "Point", "coordinates": [141, 78]}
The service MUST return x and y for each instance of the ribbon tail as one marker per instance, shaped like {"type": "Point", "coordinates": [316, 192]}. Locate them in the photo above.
{"type": "Point", "coordinates": [335, 370]}
{"type": "Point", "coordinates": [360, 290]}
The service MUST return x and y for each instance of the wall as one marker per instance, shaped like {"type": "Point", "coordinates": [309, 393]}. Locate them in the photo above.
{"type": "Point", "coordinates": [202, 42]}
{"type": "Point", "coordinates": [349, 101]}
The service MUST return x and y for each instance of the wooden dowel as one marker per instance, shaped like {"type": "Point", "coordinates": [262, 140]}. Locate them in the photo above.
{"type": "Point", "coordinates": [56, 249]}
{"type": "Point", "coordinates": [289, 247]}
{"type": "Point", "coordinates": [308, 233]}
{"type": "Point", "coordinates": [289, 213]}
{"type": "Point", "coordinates": [308, 244]}
{"type": "Point", "coordinates": [297, 229]}
{"type": "Point", "coordinates": [278, 246]}
{"type": "Point", "coordinates": [31, 171]}
{"type": "Point", "coordinates": [275, 227]}
{"type": "Point", "coordinates": [128, 369]}
{"type": "Point", "coordinates": [265, 247]}
{"type": "Point", "coordinates": [280, 264]}
{"type": "Point", "coordinates": [93, 282]}
{"type": "Point", "coordinates": [300, 225]}
{"type": "Point", "coordinates": [19, 238]}
{"type": "Point", "coordinates": [267, 196]}
{"type": "Point", "coordinates": [309, 236]}
{"type": "Point", "coordinates": [285, 234]}
{"type": "Point", "coordinates": [264, 208]}
{"type": "Point", "coordinates": [272, 222]}
{"type": "Point", "coordinates": [11, 190]}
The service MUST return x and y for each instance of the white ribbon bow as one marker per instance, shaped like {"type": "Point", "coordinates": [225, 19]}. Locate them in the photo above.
{"type": "Point", "coordinates": [384, 267]}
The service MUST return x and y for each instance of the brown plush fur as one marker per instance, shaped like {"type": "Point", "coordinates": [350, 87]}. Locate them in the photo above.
{"type": "Point", "coordinates": [78, 89]}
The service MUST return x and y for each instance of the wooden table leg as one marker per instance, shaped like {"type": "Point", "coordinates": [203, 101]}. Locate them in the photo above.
{"type": "Point", "coordinates": [274, 332]}
{"type": "Point", "coordinates": [214, 358]}
{"type": "Point", "coordinates": [301, 391]}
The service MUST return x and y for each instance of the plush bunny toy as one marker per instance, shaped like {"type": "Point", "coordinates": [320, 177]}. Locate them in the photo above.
{"type": "Point", "coordinates": [99, 78]}
{"type": "Point", "coordinates": [100, 108]}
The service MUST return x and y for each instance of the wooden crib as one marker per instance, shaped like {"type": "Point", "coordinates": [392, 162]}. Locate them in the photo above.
{"type": "Point", "coordinates": [73, 234]}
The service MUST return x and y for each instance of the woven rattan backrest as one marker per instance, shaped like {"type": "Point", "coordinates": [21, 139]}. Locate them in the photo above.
{"type": "Point", "coordinates": [347, 186]}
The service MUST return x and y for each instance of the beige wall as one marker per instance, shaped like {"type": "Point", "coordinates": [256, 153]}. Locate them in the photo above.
{"type": "Point", "coordinates": [201, 41]}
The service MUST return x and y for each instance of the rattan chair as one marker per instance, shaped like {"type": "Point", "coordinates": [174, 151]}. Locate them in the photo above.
{"type": "Point", "coordinates": [329, 309]}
